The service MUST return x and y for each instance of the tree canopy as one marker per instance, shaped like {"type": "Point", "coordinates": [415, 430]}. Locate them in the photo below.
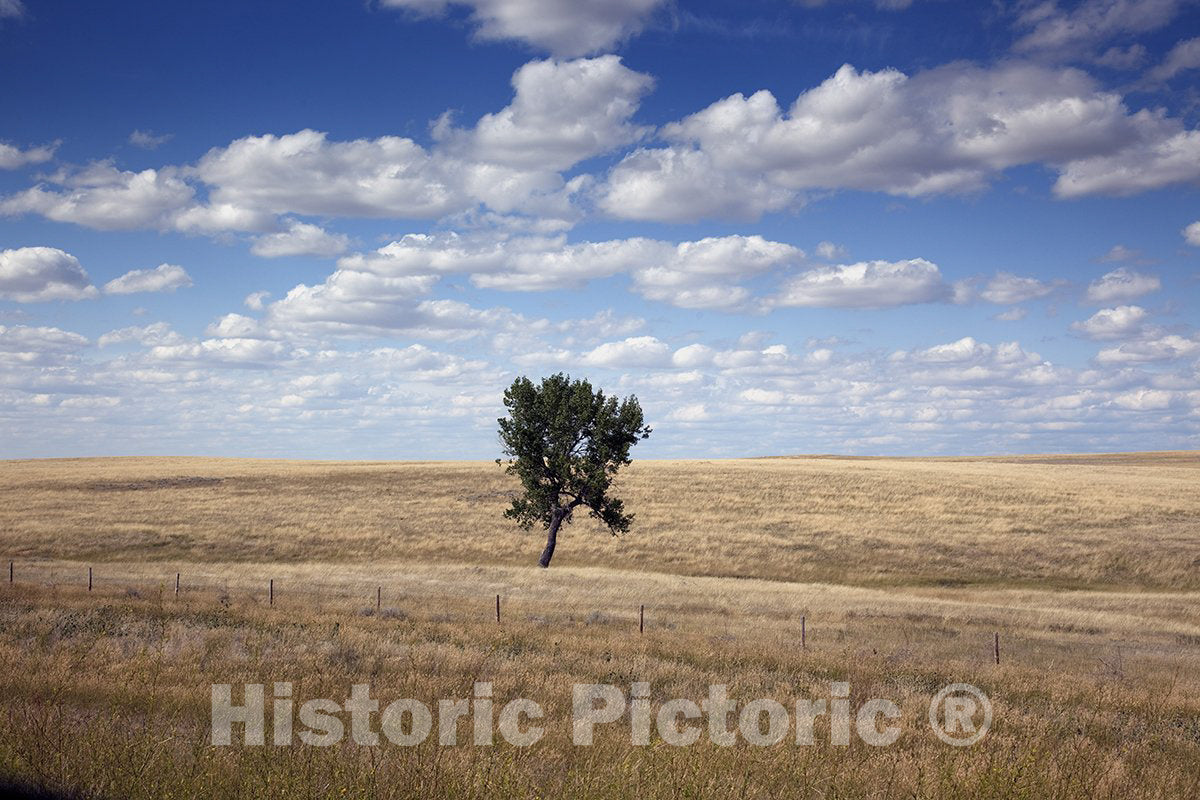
{"type": "Point", "coordinates": [565, 442]}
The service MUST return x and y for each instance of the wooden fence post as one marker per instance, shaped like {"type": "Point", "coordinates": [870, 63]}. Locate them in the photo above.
{"type": "Point", "coordinates": [642, 619]}
{"type": "Point", "coordinates": [89, 579]}
{"type": "Point", "coordinates": [996, 646]}
{"type": "Point", "coordinates": [497, 609]}
{"type": "Point", "coordinates": [177, 584]}
{"type": "Point", "coordinates": [378, 599]}
{"type": "Point", "coordinates": [803, 634]}
{"type": "Point", "coordinates": [271, 592]}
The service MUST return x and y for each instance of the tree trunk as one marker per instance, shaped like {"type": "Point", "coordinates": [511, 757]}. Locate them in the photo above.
{"type": "Point", "coordinates": [556, 518]}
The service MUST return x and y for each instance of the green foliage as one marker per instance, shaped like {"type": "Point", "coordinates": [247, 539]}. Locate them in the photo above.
{"type": "Point", "coordinates": [565, 442]}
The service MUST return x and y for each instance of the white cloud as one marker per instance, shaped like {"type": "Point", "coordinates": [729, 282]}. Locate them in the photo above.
{"type": "Point", "coordinates": [1144, 400]}
{"type": "Point", "coordinates": [949, 129]}
{"type": "Point", "coordinates": [1164, 348]}
{"type": "Point", "coordinates": [563, 27]}
{"type": "Point", "coordinates": [102, 197]}
{"type": "Point", "coordinates": [1121, 322]}
{"type": "Point", "coordinates": [157, 333]}
{"type": "Point", "coordinates": [1006, 289]}
{"type": "Point", "coordinates": [237, 326]}
{"type": "Point", "coordinates": [1161, 154]}
{"type": "Point", "coordinates": [1120, 285]}
{"type": "Point", "coordinates": [867, 284]}
{"type": "Point", "coordinates": [13, 157]}
{"type": "Point", "coordinates": [214, 218]}
{"type": "Point", "coordinates": [300, 239]}
{"type": "Point", "coordinates": [230, 352]}
{"type": "Point", "coordinates": [693, 412]}
{"type": "Point", "coordinates": [1090, 23]}
{"type": "Point", "coordinates": [305, 173]}
{"type": "Point", "coordinates": [163, 278]}
{"type": "Point", "coordinates": [509, 162]}
{"type": "Point", "coordinates": [254, 300]}
{"type": "Point", "coordinates": [562, 113]}
{"type": "Point", "coordinates": [1192, 234]}
{"type": "Point", "coordinates": [25, 346]}
{"type": "Point", "coordinates": [636, 351]}
{"type": "Point", "coordinates": [696, 274]}
{"type": "Point", "coordinates": [12, 9]}
{"type": "Point", "coordinates": [680, 185]}
{"type": "Point", "coordinates": [148, 140]}
{"type": "Point", "coordinates": [39, 274]}
{"type": "Point", "coordinates": [703, 274]}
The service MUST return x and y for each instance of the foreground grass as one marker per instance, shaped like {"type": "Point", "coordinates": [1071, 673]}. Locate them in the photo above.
{"type": "Point", "coordinates": [902, 570]}
{"type": "Point", "coordinates": [107, 693]}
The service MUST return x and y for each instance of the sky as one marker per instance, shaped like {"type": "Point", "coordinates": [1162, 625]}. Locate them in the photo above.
{"type": "Point", "coordinates": [309, 229]}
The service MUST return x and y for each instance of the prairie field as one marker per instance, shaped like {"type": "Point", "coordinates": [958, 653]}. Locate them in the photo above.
{"type": "Point", "coordinates": [901, 573]}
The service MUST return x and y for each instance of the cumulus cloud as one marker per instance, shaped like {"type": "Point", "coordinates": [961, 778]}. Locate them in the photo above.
{"type": "Point", "coordinates": [948, 129]}
{"type": "Point", "coordinates": [1166, 347]}
{"type": "Point", "coordinates": [231, 352]}
{"type": "Point", "coordinates": [157, 333]}
{"type": "Point", "coordinates": [704, 273]}
{"type": "Point", "coordinates": [103, 197]}
{"type": "Point", "coordinates": [26, 346]}
{"type": "Point", "coordinates": [867, 284]}
{"type": "Point", "coordinates": [13, 157]}
{"type": "Point", "coordinates": [163, 278]}
{"type": "Point", "coordinates": [300, 239]}
{"type": "Point", "coordinates": [305, 173]}
{"type": "Point", "coordinates": [39, 274]}
{"type": "Point", "coordinates": [678, 184]}
{"type": "Point", "coordinates": [1120, 285]}
{"type": "Point", "coordinates": [636, 351]}
{"type": "Point", "coordinates": [1161, 153]}
{"type": "Point", "coordinates": [695, 274]}
{"type": "Point", "coordinates": [563, 27]}
{"type": "Point", "coordinates": [562, 113]}
{"type": "Point", "coordinates": [1192, 234]}
{"type": "Point", "coordinates": [1121, 322]}
{"type": "Point", "coordinates": [509, 162]}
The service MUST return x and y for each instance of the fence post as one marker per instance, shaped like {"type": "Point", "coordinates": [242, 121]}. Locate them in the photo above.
{"type": "Point", "coordinates": [996, 646]}
{"type": "Point", "coordinates": [177, 584]}
{"type": "Point", "coordinates": [642, 619]}
{"type": "Point", "coordinates": [378, 599]}
{"type": "Point", "coordinates": [10, 572]}
{"type": "Point", "coordinates": [271, 592]}
{"type": "Point", "coordinates": [497, 609]}
{"type": "Point", "coordinates": [89, 579]}
{"type": "Point", "coordinates": [803, 634]}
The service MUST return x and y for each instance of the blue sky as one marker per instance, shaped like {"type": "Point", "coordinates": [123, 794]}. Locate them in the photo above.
{"type": "Point", "coordinates": [324, 230]}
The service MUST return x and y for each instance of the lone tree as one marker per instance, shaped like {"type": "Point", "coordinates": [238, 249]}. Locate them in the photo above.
{"type": "Point", "coordinates": [566, 441]}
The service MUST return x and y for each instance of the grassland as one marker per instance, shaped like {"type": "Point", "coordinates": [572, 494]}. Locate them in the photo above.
{"type": "Point", "coordinates": [1088, 567]}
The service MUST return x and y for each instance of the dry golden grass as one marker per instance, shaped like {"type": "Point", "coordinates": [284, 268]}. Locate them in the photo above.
{"type": "Point", "coordinates": [903, 569]}
{"type": "Point", "coordinates": [1126, 521]}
